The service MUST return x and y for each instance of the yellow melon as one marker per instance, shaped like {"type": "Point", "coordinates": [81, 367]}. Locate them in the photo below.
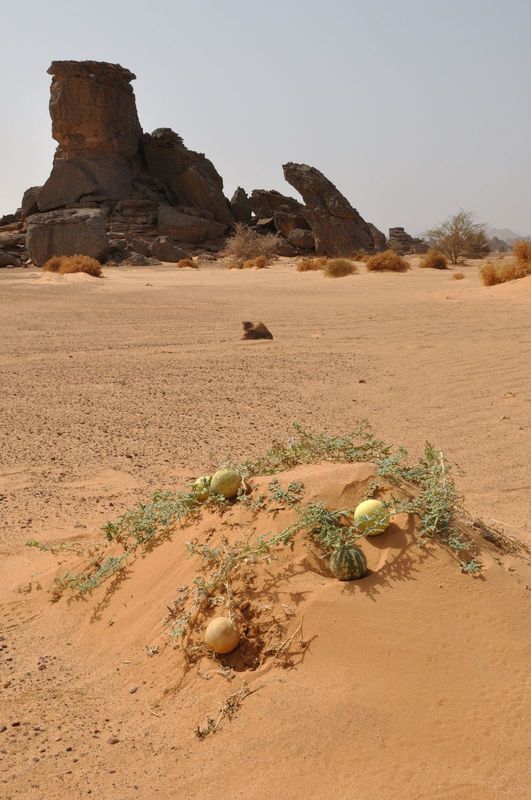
{"type": "Point", "coordinates": [371, 517]}
{"type": "Point", "coordinates": [222, 635]}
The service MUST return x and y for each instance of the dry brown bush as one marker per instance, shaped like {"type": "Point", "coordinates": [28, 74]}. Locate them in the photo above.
{"type": "Point", "coordinates": [388, 260]}
{"type": "Point", "coordinates": [71, 264]}
{"type": "Point", "coordinates": [434, 259]}
{"type": "Point", "coordinates": [255, 263]}
{"type": "Point", "coordinates": [311, 264]}
{"type": "Point", "coordinates": [361, 255]}
{"type": "Point", "coordinates": [522, 252]}
{"type": "Point", "coordinates": [339, 268]}
{"type": "Point", "coordinates": [492, 273]}
{"type": "Point", "coordinates": [457, 276]}
{"type": "Point", "coordinates": [186, 262]}
{"type": "Point", "coordinates": [246, 244]}
{"type": "Point", "coordinates": [53, 264]}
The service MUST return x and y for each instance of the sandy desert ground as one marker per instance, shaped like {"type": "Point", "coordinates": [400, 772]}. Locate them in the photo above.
{"type": "Point", "coordinates": [112, 388]}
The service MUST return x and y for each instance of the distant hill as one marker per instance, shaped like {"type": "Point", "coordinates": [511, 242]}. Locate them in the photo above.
{"type": "Point", "coordinates": [506, 235]}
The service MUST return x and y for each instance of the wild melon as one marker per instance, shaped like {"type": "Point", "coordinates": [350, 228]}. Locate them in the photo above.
{"type": "Point", "coordinates": [201, 487]}
{"type": "Point", "coordinates": [226, 482]}
{"type": "Point", "coordinates": [371, 517]}
{"type": "Point", "coordinates": [222, 635]}
{"type": "Point", "coordinates": [348, 563]}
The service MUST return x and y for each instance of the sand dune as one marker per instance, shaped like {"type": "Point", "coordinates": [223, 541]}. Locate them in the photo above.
{"type": "Point", "coordinates": [412, 682]}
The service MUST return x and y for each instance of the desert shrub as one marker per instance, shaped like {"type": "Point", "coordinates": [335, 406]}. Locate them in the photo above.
{"type": "Point", "coordinates": [53, 264]}
{"type": "Point", "coordinates": [246, 244]}
{"type": "Point", "coordinates": [434, 259]}
{"type": "Point", "coordinates": [522, 252]}
{"type": "Point", "coordinates": [311, 264]}
{"type": "Point", "coordinates": [339, 268]}
{"type": "Point", "coordinates": [255, 263]}
{"type": "Point", "coordinates": [186, 262]}
{"type": "Point", "coordinates": [492, 273]}
{"type": "Point", "coordinates": [85, 264]}
{"type": "Point", "coordinates": [459, 236]}
{"type": "Point", "coordinates": [388, 260]}
{"type": "Point", "coordinates": [457, 276]}
{"type": "Point", "coordinates": [360, 255]}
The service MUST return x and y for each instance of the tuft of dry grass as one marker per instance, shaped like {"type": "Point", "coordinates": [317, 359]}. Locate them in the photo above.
{"type": "Point", "coordinates": [434, 259]}
{"type": "Point", "coordinates": [457, 276]}
{"type": "Point", "coordinates": [246, 244]}
{"type": "Point", "coordinates": [388, 261]}
{"type": "Point", "coordinates": [186, 262]}
{"type": "Point", "coordinates": [522, 252]}
{"type": "Point", "coordinates": [311, 264]}
{"type": "Point", "coordinates": [255, 263]}
{"type": "Point", "coordinates": [53, 264]}
{"type": "Point", "coordinates": [492, 273]}
{"type": "Point", "coordinates": [339, 268]}
{"type": "Point", "coordinates": [66, 265]}
{"type": "Point", "coordinates": [85, 264]}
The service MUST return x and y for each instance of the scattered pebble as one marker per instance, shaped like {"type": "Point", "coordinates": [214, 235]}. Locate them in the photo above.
{"type": "Point", "coordinates": [112, 740]}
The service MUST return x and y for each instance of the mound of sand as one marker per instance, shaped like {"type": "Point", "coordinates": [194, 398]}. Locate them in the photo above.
{"type": "Point", "coordinates": [408, 683]}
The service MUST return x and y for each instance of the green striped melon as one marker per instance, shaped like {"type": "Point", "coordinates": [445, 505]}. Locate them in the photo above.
{"type": "Point", "coordinates": [348, 563]}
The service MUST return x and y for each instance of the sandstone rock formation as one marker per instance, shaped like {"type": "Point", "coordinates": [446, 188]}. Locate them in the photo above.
{"type": "Point", "coordinates": [189, 178]}
{"type": "Point", "coordinates": [240, 206]}
{"type": "Point", "coordinates": [67, 232]}
{"type": "Point", "coordinates": [146, 184]}
{"type": "Point", "coordinates": [188, 227]}
{"type": "Point", "coordinates": [338, 229]}
{"type": "Point", "coordinates": [401, 242]}
{"type": "Point", "coordinates": [94, 121]}
{"type": "Point", "coordinates": [378, 238]}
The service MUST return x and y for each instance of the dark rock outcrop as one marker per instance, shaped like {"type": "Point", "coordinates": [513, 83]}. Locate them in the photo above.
{"type": "Point", "coordinates": [189, 178]}
{"type": "Point", "coordinates": [241, 206]}
{"type": "Point", "coordinates": [67, 232]}
{"type": "Point", "coordinates": [337, 227]}
{"type": "Point", "coordinates": [165, 249]}
{"type": "Point", "coordinates": [265, 203]}
{"type": "Point", "coordinates": [401, 242]}
{"type": "Point", "coordinates": [378, 238]}
{"type": "Point", "coordinates": [255, 330]}
{"type": "Point", "coordinates": [184, 227]}
{"type": "Point", "coordinates": [301, 239]}
{"type": "Point", "coordinates": [287, 221]}
{"type": "Point", "coordinates": [29, 202]}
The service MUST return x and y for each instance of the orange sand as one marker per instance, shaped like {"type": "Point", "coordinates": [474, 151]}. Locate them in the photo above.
{"type": "Point", "coordinates": [413, 683]}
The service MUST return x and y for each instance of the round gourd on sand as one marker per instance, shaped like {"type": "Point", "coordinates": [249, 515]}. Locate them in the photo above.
{"type": "Point", "coordinates": [371, 517]}
{"type": "Point", "coordinates": [348, 563]}
{"type": "Point", "coordinates": [222, 635]}
{"type": "Point", "coordinates": [201, 487]}
{"type": "Point", "coordinates": [226, 482]}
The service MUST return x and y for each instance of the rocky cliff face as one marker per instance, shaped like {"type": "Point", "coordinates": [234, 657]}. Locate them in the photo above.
{"type": "Point", "coordinates": [105, 161]}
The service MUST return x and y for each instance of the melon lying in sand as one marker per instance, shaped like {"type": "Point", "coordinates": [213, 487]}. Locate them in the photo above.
{"type": "Point", "coordinates": [371, 517]}
{"type": "Point", "coordinates": [348, 563]}
{"type": "Point", "coordinates": [222, 635]}
{"type": "Point", "coordinates": [201, 487]}
{"type": "Point", "coordinates": [226, 482]}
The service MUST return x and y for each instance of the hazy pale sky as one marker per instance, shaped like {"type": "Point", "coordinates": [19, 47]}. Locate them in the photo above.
{"type": "Point", "coordinates": [413, 109]}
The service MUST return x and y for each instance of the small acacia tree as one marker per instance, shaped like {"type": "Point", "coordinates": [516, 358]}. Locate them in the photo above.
{"type": "Point", "coordinates": [459, 236]}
